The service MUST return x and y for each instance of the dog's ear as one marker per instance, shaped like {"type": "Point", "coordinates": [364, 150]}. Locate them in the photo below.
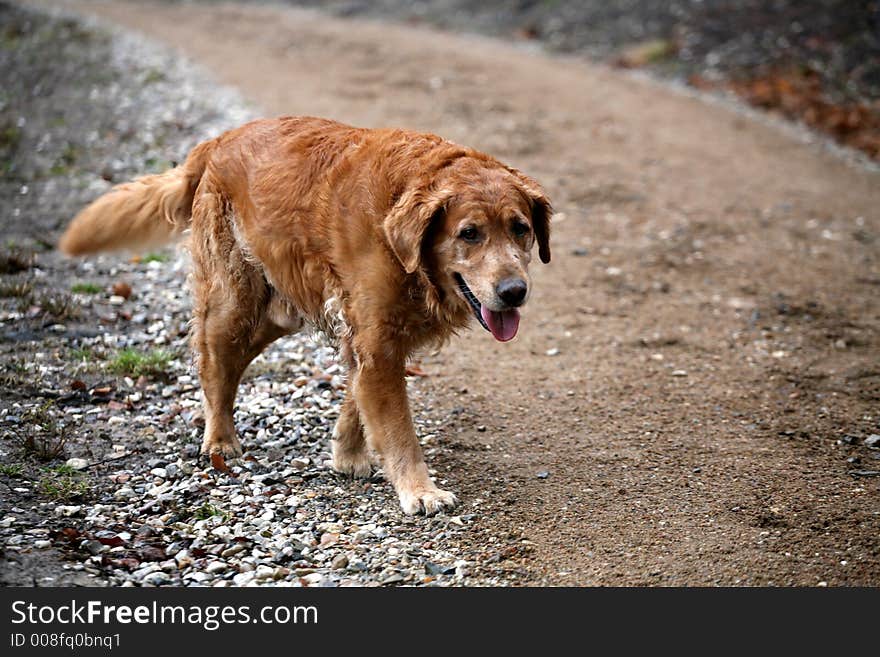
{"type": "Point", "coordinates": [408, 221]}
{"type": "Point", "coordinates": [542, 210]}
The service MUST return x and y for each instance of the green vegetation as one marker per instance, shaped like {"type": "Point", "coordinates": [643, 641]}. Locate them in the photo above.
{"type": "Point", "coordinates": [62, 483]}
{"type": "Point", "coordinates": [83, 354]}
{"type": "Point", "coordinates": [85, 288]}
{"type": "Point", "coordinates": [10, 136]}
{"type": "Point", "coordinates": [207, 511]}
{"type": "Point", "coordinates": [11, 469]}
{"type": "Point", "coordinates": [155, 257]}
{"type": "Point", "coordinates": [45, 439]}
{"type": "Point", "coordinates": [65, 161]}
{"type": "Point", "coordinates": [62, 470]}
{"type": "Point", "coordinates": [135, 363]}
{"type": "Point", "coordinates": [59, 306]}
{"type": "Point", "coordinates": [154, 75]}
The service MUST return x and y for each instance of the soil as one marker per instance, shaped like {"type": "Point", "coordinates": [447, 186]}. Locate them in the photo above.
{"type": "Point", "coordinates": [839, 40]}
{"type": "Point", "coordinates": [815, 62]}
{"type": "Point", "coordinates": [696, 373]}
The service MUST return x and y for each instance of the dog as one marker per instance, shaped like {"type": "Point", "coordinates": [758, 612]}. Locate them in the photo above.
{"type": "Point", "coordinates": [386, 240]}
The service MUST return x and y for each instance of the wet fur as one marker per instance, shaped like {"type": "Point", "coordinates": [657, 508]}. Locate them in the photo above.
{"type": "Point", "coordinates": [303, 220]}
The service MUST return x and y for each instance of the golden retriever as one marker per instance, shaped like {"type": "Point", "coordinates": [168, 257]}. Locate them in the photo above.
{"type": "Point", "coordinates": [386, 240]}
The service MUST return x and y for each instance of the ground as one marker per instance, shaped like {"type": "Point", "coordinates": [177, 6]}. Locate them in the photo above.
{"type": "Point", "coordinates": [690, 400]}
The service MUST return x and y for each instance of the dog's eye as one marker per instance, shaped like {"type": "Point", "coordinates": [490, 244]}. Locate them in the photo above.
{"type": "Point", "coordinates": [469, 234]}
{"type": "Point", "coordinates": [520, 228]}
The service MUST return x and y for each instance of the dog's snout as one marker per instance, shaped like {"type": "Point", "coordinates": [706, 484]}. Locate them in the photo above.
{"type": "Point", "coordinates": [512, 291]}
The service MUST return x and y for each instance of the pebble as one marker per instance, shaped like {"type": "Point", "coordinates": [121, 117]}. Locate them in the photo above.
{"type": "Point", "coordinates": [313, 579]}
{"type": "Point", "coordinates": [216, 567]}
{"type": "Point", "coordinates": [68, 510]}
{"type": "Point", "coordinates": [264, 572]}
{"type": "Point", "coordinates": [873, 441]}
{"type": "Point", "coordinates": [391, 578]}
{"type": "Point", "coordinates": [77, 463]}
{"type": "Point", "coordinates": [340, 562]}
{"type": "Point", "coordinates": [233, 550]}
{"type": "Point", "coordinates": [243, 579]}
{"type": "Point", "coordinates": [157, 578]}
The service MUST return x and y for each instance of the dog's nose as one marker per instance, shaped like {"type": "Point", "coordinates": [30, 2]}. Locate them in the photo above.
{"type": "Point", "coordinates": [512, 291]}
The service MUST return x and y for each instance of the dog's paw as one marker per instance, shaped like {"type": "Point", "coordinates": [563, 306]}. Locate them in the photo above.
{"type": "Point", "coordinates": [228, 449]}
{"type": "Point", "coordinates": [428, 499]}
{"type": "Point", "coordinates": [355, 463]}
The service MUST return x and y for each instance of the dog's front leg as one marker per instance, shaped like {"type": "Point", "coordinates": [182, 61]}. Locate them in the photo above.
{"type": "Point", "coordinates": [380, 390]}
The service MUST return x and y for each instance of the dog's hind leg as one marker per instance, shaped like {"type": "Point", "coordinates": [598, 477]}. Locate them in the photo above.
{"type": "Point", "coordinates": [235, 318]}
{"type": "Point", "coordinates": [349, 446]}
{"type": "Point", "coordinates": [230, 334]}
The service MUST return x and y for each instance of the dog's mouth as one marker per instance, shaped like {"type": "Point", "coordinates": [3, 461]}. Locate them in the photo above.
{"type": "Point", "coordinates": [502, 324]}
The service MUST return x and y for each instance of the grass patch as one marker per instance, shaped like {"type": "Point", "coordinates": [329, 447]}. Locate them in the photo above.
{"type": "Point", "coordinates": [62, 470]}
{"type": "Point", "coordinates": [85, 288]}
{"type": "Point", "coordinates": [62, 484]}
{"type": "Point", "coordinates": [155, 257]}
{"type": "Point", "coordinates": [83, 354]}
{"type": "Point", "coordinates": [14, 260]}
{"type": "Point", "coordinates": [16, 289]}
{"type": "Point", "coordinates": [59, 306]}
{"type": "Point", "coordinates": [65, 161]}
{"type": "Point", "coordinates": [45, 439]}
{"type": "Point", "coordinates": [207, 511]}
{"type": "Point", "coordinates": [13, 374]}
{"type": "Point", "coordinates": [10, 137]}
{"type": "Point", "coordinates": [135, 363]}
{"type": "Point", "coordinates": [154, 75]}
{"type": "Point", "coordinates": [11, 469]}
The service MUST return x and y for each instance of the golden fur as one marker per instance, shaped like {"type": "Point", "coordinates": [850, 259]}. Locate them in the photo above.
{"type": "Point", "coordinates": [358, 232]}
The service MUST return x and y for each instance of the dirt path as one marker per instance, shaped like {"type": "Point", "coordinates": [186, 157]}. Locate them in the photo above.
{"type": "Point", "coordinates": [699, 361]}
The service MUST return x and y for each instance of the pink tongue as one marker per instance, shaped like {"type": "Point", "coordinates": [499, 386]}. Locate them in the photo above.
{"type": "Point", "coordinates": [502, 324]}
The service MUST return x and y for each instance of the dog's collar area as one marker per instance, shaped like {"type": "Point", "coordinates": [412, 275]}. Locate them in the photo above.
{"type": "Point", "coordinates": [472, 299]}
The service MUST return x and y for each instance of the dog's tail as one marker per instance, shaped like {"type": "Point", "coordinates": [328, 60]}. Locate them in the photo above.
{"type": "Point", "coordinates": [148, 211]}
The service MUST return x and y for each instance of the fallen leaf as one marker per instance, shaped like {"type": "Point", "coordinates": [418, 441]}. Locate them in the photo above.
{"type": "Point", "coordinates": [218, 463]}
{"type": "Point", "coordinates": [122, 289]}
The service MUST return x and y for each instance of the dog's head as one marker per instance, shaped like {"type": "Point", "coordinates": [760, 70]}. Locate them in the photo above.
{"type": "Point", "coordinates": [472, 231]}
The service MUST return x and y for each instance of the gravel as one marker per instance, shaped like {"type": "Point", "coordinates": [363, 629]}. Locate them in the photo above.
{"type": "Point", "coordinates": [126, 501]}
